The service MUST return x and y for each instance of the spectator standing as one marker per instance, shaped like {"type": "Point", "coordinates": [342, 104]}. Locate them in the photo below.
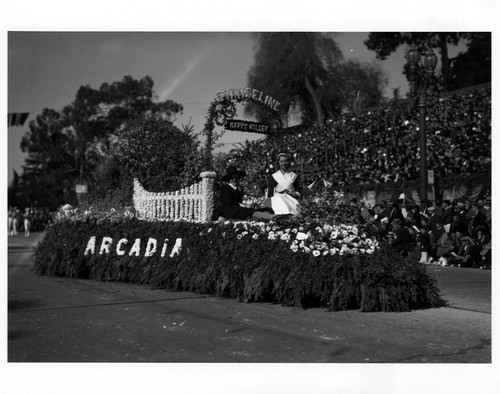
{"type": "Point", "coordinates": [11, 221]}
{"type": "Point", "coordinates": [28, 217]}
{"type": "Point", "coordinates": [460, 218]}
{"type": "Point", "coordinates": [478, 219]}
{"type": "Point", "coordinates": [424, 241]}
{"type": "Point", "coordinates": [434, 219]}
{"type": "Point", "coordinates": [447, 216]}
{"type": "Point", "coordinates": [15, 221]}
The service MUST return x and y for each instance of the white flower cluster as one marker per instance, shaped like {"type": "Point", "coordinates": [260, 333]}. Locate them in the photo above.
{"type": "Point", "coordinates": [194, 203]}
{"type": "Point", "coordinates": [251, 201]}
{"type": "Point", "coordinates": [321, 240]}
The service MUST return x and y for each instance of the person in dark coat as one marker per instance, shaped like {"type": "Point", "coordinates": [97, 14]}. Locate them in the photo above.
{"type": "Point", "coordinates": [424, 240]}
{"type": "Point", "coordinates": [460, 221]}
{"type": "Point", "coordinates": [231, 199]}
{"type": "Point", "coordinates": [478, 219]}
{"type": "Point", "coordinates": [447, 216]}
{"type": "Point", "coordinates": [402, 239]}
{"type": "Point", "coordinates": [395, 213]}
{"type": "Point", "coordinates": [384, 211]}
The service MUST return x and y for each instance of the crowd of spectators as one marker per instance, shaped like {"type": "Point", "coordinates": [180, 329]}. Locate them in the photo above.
{"type": "Point", "coordinates": [382, 144]}
{"type": "Point", "coordinates": [38, 218]}
{"type": "Point", "coordinates": [446, 233]}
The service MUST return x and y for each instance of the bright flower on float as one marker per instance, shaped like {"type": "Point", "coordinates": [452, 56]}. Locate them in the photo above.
{"type": "Point", "coordinates": [301, 236]}
{"type": "Point", "coordinates": [316, 253]}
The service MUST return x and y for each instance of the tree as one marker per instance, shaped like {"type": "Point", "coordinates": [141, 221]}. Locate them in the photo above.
{"type": "Point", "coordinates": [160, 155]}
{"type": "Point", "coordinates": [387, 42]}
{"type": "Point", "coordinates": [65, 147]}
{"type": "Point", "coordinates": [306, 71]}
{"type": "Point", "coordinates": [46, 169]}
{"type": "Point", "coordinates": [293, 68]}
{"type": "Point", "coordinates": [359, 85]}
{"type": "Point", "coordinates": [474, 66]}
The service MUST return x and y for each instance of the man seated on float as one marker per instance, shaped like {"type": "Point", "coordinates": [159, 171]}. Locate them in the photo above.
{"type": "Point", "coordinates": [231, 199]}
{"type": "Point", "coordinates": [283, 188]}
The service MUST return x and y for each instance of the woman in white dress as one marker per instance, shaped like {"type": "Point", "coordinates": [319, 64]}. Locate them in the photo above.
{"type": "Point", "coordinates": [283, 188]}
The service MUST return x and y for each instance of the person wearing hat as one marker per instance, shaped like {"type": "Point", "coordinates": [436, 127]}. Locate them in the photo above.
{"type": "Point", "coordinates": [283, 188]}
{"type": "Point", "coordinates": [434, 218]}
{"type": "Point", "coordinates": [231, 199]}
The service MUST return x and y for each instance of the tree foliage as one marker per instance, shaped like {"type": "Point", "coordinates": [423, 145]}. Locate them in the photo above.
{"type": "Point", "coordinates": [360, 85]}
{"type": "Point", "coordinates": [160, 155]}
{"type": "Point", "coordinates": [65, 147]}
{"type": "Point", "coordinates": [307, 71]}
{"type": "Point", "coordinates": [456, 72]}
{"type": "Point", "coordinates": [293, 68]}
{"type": "Point", "coordinates": [474, 66]}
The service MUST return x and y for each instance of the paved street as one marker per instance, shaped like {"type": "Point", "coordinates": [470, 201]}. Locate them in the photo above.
{"type": "Point", "coordinates": [66, 320]}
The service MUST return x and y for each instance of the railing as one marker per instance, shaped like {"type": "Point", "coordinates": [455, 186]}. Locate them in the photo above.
{"type": "Point", "coordinates": [194, 203]}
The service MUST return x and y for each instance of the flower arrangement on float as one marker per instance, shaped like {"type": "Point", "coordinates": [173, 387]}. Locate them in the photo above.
{"type": "Point", "coordinates": [193, 203]}
{"type": "Point", "coordinates": [320, 239]}
{"type": "Point", "coordinates": [335, 263]}
{"type": "Point", "coordinates": [297, 263]}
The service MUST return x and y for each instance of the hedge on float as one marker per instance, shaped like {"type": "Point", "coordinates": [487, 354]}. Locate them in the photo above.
{"type": "Point", "coordinates": [246, 261]}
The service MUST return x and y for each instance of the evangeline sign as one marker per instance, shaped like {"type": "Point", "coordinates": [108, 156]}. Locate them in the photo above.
{"type": "Point", "coordinates": [222, 110]}
{"type": "Point", "coordinates": [248, 94]}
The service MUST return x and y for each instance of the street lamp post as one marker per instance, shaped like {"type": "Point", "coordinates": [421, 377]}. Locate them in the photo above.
{"type": "Point", "coordinates": [419, 83]}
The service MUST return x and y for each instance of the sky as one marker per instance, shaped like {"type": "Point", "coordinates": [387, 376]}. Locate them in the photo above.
{"type": "Point", "coordinates": [45, 70]}
{"type": "Point", "coordinates": [189, 62]}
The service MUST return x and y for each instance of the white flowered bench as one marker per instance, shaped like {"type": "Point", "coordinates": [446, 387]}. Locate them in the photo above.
{"type": "Point", "coordinates": [194, 203]}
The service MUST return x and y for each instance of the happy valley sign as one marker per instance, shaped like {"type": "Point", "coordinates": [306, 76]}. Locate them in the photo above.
{"type": "Point", "coordinates": [243, 125]}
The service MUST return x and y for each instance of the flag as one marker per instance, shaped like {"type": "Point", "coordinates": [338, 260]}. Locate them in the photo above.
{"type": "Point", "coordinates": [17, 118]}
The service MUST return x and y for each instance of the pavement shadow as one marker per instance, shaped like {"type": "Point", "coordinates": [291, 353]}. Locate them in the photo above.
{"type": "Point", "coordinates": [15, 335]}
{"type": "Point", "coordinates": [15, 305]}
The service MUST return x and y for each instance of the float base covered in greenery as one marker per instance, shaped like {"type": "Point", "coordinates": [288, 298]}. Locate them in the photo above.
{"type": "Point", "coordinates": [233, 260]}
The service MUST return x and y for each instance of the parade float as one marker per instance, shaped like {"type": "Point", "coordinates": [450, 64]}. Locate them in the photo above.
{"type": "Point", "coordinates": [168, 241]}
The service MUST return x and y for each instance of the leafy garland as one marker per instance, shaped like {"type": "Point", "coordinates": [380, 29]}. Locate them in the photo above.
{"type": "Point", "coordinates": [220, 110]}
